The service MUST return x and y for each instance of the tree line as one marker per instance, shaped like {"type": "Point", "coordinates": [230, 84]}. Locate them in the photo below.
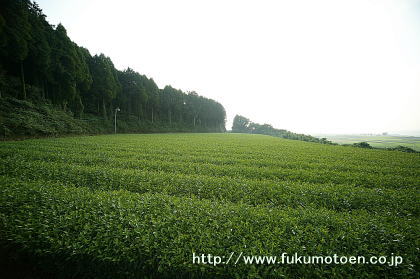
{"type": "Point", "coordinates": [242, 124]}
{"type": "Point", "coordinates": [40, 63]}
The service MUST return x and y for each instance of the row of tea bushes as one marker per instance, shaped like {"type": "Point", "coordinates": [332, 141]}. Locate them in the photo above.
{"type": "Point", "coordinates": [80, 233]}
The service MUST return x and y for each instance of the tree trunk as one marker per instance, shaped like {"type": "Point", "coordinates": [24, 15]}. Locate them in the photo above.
{"type": "Point", "coordinates": [104, 109]}
{"type": "Point", "coordinates": [152, 114]}
{"type": "Point", "coordinates": [111, 110]}
{"type": "Point", "coordinates": [22, 79]}
{"type": "Point", "coordinates": [139, 115]}
{"type": "Point", "coordinates": [46, 89]}
{"type": "Point", "coordinates": [43, 90]}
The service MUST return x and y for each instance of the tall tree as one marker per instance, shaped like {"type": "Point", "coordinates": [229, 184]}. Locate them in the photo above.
{"type": "Point", "coordinates": [16, 35]}
{"type": "Point", "coordinates": [240, 124]}
{"type": "Point", "coordinates": [105, 83]}
{"type": "Point", "coordinates": [40, 62]}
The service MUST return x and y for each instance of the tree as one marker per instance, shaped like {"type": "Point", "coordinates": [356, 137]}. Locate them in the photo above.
{"type": "Point", "coordinates": [40, 62]}
{"type": "Point", "coordinates": [16, 35]}
{"type": "Point", "coordinates": [105, 83]}
{"type": "Point", "coordinates": [362, 145]}
{"type": "Point", "coordinates": [241, 124]}
{"type": "Point", "coordinates": [244, 125]}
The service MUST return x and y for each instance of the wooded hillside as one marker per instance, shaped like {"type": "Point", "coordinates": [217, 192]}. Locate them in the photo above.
{"type": "Point", "coordinates": [40, 64]}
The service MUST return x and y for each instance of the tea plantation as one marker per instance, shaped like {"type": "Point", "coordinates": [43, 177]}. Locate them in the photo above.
{"type": "Point", "coordinates": [139, 206]}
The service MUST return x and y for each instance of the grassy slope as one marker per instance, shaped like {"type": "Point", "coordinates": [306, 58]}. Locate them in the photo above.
{"type": "Point", "coordinates": [143, 203]}
{"type": "Point", "coordinates": [24, 119]}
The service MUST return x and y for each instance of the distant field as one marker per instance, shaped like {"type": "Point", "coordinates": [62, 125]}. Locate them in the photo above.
{"type": "Point", "coordinates": [139, 206]}
{"type": "Point", "coordinates": [377, 141]}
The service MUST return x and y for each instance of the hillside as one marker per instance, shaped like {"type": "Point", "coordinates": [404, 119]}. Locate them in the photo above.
{"type": "Point", "coordinates": [132, 206]}
{"type": "Point", "coordinates": [51, 85]}
{"type": "Point", "coordinates": [26, 119]}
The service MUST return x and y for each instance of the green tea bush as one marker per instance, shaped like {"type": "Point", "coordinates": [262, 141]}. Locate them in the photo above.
{"type": "Point", "coordinates": [139, 206]}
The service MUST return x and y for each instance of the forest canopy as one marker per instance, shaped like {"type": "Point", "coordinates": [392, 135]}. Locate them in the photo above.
{"type": "Point", "coordinates": [40, 63]}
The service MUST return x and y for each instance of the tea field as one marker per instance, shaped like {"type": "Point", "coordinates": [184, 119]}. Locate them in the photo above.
{"type": "Point", "coordinates": [379, 141]}
{"type": "Point", "coordinates": [139, 206]}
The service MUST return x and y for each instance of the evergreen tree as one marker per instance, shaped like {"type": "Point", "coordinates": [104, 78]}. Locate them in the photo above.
{"type": "Point", "coordinates": [39, 62]}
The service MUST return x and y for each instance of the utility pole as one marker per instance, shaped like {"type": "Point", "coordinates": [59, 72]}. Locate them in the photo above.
{"type": "Point", "coordinates": [115, 120]}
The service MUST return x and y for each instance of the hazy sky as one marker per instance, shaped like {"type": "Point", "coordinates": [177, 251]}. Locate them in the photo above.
{"type": "Point", "coordinates": [325, 66]}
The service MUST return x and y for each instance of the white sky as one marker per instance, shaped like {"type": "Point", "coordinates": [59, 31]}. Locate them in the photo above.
{"type": "Point", "coordinates": [326, 66]}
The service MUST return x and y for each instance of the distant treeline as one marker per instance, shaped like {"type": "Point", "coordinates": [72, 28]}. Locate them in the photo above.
{"type": "Point", "coordinates": [242, 124]}
{"type": "Point", "coordinates": [40, 64]}
{"type": "Point", "coordinates": [401, 148]}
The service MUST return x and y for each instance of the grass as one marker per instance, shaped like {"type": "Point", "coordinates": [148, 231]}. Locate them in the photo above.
{"type": "Point", "coordinates": [21, 119]}
{"type": "Point", "coordinates": [378, 141]}
{"type": "Point", "coordinates": [133, 206]}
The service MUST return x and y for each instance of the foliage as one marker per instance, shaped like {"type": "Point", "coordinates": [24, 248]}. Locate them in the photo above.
{"type": "Point", "coordinates": [138, 206]}
{"type": "Point", "coordinates": [41, 64]}
{"type": "Point", "coordinates": [22, 119]}
{"type": "Point", "coordinates": [362, 145]}
{"type": "Point", "coordinates": [403, 149]}
{"type": "Point", "coordinates": [242, 124]}
{"type": "Point", "coordinates": [381, 141]}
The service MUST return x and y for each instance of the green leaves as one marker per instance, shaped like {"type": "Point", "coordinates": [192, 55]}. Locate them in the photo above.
{"type": "Point", "coordinates": [133, 206]}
